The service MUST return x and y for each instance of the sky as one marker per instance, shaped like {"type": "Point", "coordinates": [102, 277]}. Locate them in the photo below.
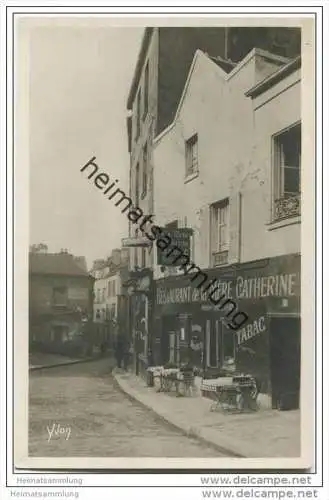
{"type": "Point", "coordinates": [79, 83]}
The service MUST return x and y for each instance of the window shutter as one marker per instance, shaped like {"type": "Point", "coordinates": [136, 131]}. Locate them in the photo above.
{"type": "Point", "coordinates": [234, 227]}
{"type": "Point", "coordinates": [202, 239]}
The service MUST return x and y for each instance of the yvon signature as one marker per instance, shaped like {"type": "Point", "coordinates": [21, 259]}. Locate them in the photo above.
{"type": "Point", "coordinates": [58, 431]}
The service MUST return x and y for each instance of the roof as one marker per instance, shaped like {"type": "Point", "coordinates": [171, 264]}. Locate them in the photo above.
{"type": "Point", "coordinates": [139, 66]}
{"type": "Point", "coordinates": [226, 64]}
{"type": "Point", "coordinates": [55, 263]}
{"type": "Point", "coordinates": [226, 70]}
{"type": "Point", "coordinates": [274, 78]}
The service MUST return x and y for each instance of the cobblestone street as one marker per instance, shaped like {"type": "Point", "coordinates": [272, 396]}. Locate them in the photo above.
{"type": "Point", "coordinates": [78, 410]}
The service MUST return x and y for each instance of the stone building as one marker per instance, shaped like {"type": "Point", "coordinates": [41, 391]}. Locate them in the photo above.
{"type": "Point", "coordinates": [228, 169]}
{"type": "Point", "coordinates": [60, 300]}
{"type": "Point", "coordinates": [160, 76]}
{"type": "Point", "coordinates": [110, 308]}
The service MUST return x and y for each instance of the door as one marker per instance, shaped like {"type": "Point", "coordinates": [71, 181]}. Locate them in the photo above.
{"type": "Point", "coordinates": [285, 362]}
{"type": "Point", "coordinates": [168, 343]}
{"type": "Point", "coordinates": [212, 342]}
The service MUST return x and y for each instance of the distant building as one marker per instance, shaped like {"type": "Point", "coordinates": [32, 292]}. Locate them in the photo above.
{"type": "Point", "coordinates": [109, 311]}
{"type": "Point", "coordinates": [60, 299]}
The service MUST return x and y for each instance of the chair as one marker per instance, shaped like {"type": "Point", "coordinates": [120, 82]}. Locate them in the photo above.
{"type": "Point", "coordinates": [248, 392]}
{"type": "Point", "coordinates": [226, 398]}
{"type": "Point", "coordinates": [188, 382]}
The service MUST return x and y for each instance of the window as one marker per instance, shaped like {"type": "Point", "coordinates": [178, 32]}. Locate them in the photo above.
{"type": "Point", "coordinates": [191, 155]}
{"type": "Point", "coordinates": [138, 114]}
{"type": "Point", "coordinates": [228, 345]}
{"type": "Point", "coordinates": [146, 90]}
{"type": "Point", "coordinates": [288, 160]}
{"type": "Point", "coordinates": [287, 166]}
{"type": "Point", "coordinates": [111, 291]}
{"type": "Point", "coordinates": [60, 296]}
{"type": "Point", "coordinates": [145, 166]}
{"type": "Point", "coordinates": [137, 185]}
{"type": "Point", "coordinates": [219, 232]}
{"type": "Point", "coordinates": [112, 311]}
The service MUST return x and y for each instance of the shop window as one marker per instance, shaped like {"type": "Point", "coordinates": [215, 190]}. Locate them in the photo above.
{"type": "Point", "coordinates": [191, 155]}
{"type": "Point", "coordinates": [219, 232]}
{"type": "Point", "coordinates": [227, 345]}
{"type": "Point", "coordinates": [172, 347]}
{"type": "Point", "coordinates": [212, 342]}
{"type": "Point", "coordinates": [287, 167]}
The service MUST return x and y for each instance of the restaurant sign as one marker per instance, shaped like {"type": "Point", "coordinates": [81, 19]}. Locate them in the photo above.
{"type": "Point", "coordinates": [281, 285]}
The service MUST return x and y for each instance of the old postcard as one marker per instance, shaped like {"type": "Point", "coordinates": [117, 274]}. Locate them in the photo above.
{"type": "Point", "coordinates": [164, 294]}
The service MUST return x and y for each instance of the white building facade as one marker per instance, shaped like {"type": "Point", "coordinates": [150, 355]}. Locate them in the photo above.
{"type": "Point", "coordinates": [106, 290]}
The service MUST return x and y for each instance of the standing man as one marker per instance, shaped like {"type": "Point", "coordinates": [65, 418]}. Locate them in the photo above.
{"type": "Point", "coordinates": [119, 350]}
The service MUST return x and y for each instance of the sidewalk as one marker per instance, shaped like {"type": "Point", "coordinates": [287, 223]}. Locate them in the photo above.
{"type": "Point", "coordinates": [266, 433]}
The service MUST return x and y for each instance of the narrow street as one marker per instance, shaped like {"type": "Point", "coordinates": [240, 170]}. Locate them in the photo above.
{"type": "Point", "coordinates": [78, 410]}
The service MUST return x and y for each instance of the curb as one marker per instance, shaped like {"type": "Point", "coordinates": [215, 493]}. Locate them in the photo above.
{"type": "Point", "coordinates": [64, 363]}
{"type": "Point", "coordinates": [189, 431]}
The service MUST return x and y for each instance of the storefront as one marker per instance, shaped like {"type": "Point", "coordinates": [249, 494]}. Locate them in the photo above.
{"type": "Point", "coordinates": [139, 313]}
{"type": "Point", "coordinates": [261, 336]}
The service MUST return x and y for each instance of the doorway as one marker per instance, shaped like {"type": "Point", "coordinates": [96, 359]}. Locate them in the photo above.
{"type": "Point", "coordinates": [168, 339]}
{"type": "Point", "coordinates": [285, 362]}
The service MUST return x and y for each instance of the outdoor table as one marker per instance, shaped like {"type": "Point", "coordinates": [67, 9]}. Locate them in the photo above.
{"type": "Point", "coordinates": [155, 372]}
{"type": "Point", "coordinates": [237, 393]}
{"type": "Point", "coordinates": [168, 379]}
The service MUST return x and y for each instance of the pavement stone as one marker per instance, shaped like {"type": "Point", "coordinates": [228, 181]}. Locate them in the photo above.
{"type": "Point", "coordinates": [98, 419]}
{"type": "Point", "coordinates": [266, 433]}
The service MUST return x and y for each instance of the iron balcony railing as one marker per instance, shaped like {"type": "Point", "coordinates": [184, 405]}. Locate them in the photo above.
{"type": "Point", "coordinates": [287, 207]}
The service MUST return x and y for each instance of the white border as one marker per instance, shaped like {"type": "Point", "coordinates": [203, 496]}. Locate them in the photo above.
{"type": "Point", "coordinates": [168, 479]}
